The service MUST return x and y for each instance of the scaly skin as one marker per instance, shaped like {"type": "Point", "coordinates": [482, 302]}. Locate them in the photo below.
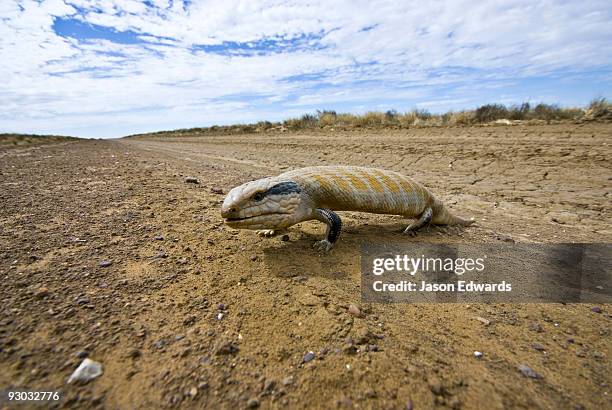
{"type": "Point", "coordinates": [273, 204]}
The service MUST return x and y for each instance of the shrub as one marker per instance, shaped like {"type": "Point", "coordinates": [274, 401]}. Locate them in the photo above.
{"type": "Point", "coordinates": [490, 112]}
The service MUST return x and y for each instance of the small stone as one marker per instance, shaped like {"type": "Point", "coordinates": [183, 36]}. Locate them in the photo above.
{"type": "Point", "coordinates": [41, 292]}
{"type": "Point", "coordinates": [161, 254]}
{"type": "Point", "coordinates": [134, 353]}
{"type": "Point", "coordinates": [221, 306]}
{"type": "Point", "coordinates": [192, 392]}
{"type": "Point", "coordinates": [599, 355]}
{"type": "Point", "coordinates": [536, 327]}
{"type": "Point", "coordinates": [538, 346]}
{"type": "Point", "coordinates": [455, 404]}
{"type": "Point", "coordinates": [105, 263]}
{"type": "Point", "coordinates": [308, 357]}
{"type": "Point", "coordinates": [596, 309]}
{"type": "Point", "coordinates": [160, 344]}
{"type": "Point", "coordinates": [190, 320]}
{"type": "Point", "coordinates": [87, 370]}
{"type": "Point", "coordinates": [253, 258]}
{"type": "Point", "coordinates": [225, 347]}
{"type": "Point", "coordinates": [477, 354]}
{"type": "Point", "coordinates": [482, 320]}
{"type": "Point", "coordinates": [253, 403]}
{"type": "Point", "coordinates": [528, 371]}
{"type": "Point", "coordinates": [581, 353]}
{"type": "Point", "coordinates": [269, 385]}
{"type": "Point", "coordinates": [82, 301]}
{"type": "Point", "coordinates": [159, 238]}
{"type": "Point", "coordinates": [192, 180]}
{"type": "Point", "coordinates": [81, 354]}
{"type": "Point", "coordinates": [217, 191]}
{"type": "Point", "coordinates": [436, 387]}
{"type": "Point", "coordinates": [354, 310]}
{"type": "Point", "coordinates": [287, 381]}
{"type": "Point", "coordinates": [503, 238]}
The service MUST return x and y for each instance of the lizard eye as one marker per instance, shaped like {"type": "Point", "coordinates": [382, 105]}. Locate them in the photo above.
{"type": "Point", "coordinates": [258, 196]}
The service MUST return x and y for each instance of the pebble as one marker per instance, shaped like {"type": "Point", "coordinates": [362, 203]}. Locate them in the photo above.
{"type": "Point", "coordinates": [217, 191]}
{"type": "Point", "coordinates": [536, 327]}
{"type": "Point", "coordinates": [269, 385]}
{"type": "Point", "coordinates": [482, 320]}
{"type": "Point", "coordinates": [477, 354]}
{"type": "Point", "coordinates": [87, 370]}
{"type": "Point", "coordinates": [287, 381]}
{"type": "Point", "coordinates": [159, 238]}
{"type": "Point", "coordinates": [221, 306]}
{"type": "Point", "coordinates": [354, 310]}
{"type": "Point", "coordinates": [41, 292]}
{"type": "Point", "coordinates": [159, 344]}
{"type": "Point", "coordinates": [538, 346]}
{"type": "Point", "coordinates": [308, 357]}
{"type": "Point", "coordinates": [253, 403]}
{"type": "Point", "coordinates": [596, 309]}
{"type": "Point", "coordinates": [105, 263]}
{"type": "Point", "coordinates": [436, 387]}
{"type": "Point", "coordinates": [192, 180]}
{"type": "Point", "coordinates": [253, 258]}
{"type": "Point", "coordinates": [528, 371]}
{"type": "Point", "coordinates": [190, 320]}
{"type": "Point", "coordinates": [226, 347]}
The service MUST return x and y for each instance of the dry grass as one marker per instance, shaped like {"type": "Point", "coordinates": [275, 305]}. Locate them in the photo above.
{"type": "Point", "coordinates": [498, 114]}
{"type": "Point", "coordinates": [30, 139]}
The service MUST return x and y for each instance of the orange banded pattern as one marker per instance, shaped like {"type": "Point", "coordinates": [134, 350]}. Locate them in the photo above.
{"type": "Point", "coordinates": [347, 188]}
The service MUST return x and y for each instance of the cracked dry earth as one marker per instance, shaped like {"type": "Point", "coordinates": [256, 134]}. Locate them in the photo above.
{"type": "Point", "coordinates": [107, 252]}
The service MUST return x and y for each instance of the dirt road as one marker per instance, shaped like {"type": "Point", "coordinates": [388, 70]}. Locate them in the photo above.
{"type": "Point", "coordinates": [106, 252]}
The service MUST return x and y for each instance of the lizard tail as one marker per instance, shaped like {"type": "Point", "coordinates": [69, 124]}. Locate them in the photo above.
{"type": "Point", "coordinates": [442, 216]}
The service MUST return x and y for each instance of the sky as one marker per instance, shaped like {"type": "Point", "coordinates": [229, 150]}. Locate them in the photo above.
{"type": "Point", "coordinates": [110, 68]}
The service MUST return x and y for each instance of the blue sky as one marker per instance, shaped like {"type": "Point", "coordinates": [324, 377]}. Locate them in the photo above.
{"type": "Point", "coordinates": [108, 68]}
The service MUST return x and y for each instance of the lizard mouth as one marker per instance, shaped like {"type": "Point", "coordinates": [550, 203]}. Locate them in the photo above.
{"type": "Point", "coordinates": [246, 218]}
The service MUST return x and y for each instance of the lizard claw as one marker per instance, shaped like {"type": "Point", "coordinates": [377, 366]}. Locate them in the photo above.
{"type": "Point", "coordinates": [266, 233]}
{"type": "Point", "coordinates": [323, 246]}
{"type": "Point", "coordinates": [410, 232]}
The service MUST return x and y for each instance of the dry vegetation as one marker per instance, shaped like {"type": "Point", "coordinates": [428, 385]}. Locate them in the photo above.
{"type": "Point", "coordinates": [498, 114]}
{"type": "Point", "coordinates": [7, 140]}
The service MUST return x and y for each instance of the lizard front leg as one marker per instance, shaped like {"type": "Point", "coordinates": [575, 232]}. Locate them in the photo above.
{"type": "Point", "coordinates": [269, 233]}
{"type": "Point", "coordinates": [334, 227]}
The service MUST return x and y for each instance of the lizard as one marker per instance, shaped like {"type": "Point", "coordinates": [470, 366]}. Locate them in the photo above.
{"type": "Point", "coordinates": [271, 205]}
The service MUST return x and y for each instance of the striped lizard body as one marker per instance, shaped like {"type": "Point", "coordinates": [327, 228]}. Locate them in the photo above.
{"type": "Point", "coordinates": [273, 204]}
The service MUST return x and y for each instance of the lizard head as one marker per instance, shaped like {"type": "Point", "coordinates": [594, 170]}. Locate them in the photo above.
{"type": "Point", "coordinates": [268, 203]}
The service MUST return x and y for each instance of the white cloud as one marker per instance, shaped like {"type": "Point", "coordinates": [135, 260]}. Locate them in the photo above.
{"type": "Point", "coordinates": [351, 53]}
